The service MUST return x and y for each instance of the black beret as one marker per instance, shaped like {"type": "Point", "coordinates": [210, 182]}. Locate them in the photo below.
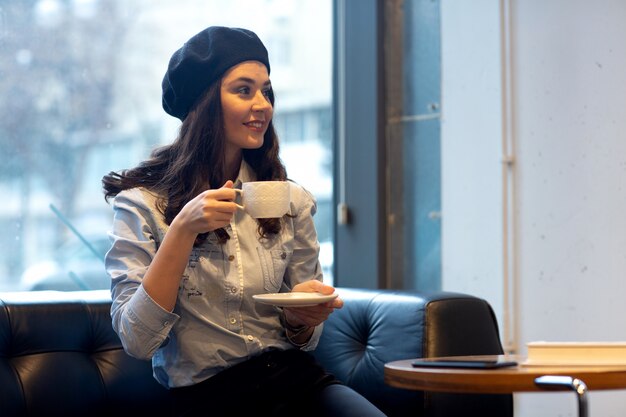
{"type": "Point", "coordinates": [202, 60]}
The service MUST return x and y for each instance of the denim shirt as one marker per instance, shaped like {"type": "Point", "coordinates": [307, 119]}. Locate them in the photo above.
{"type": "Point", "coordinates": [216, 323]}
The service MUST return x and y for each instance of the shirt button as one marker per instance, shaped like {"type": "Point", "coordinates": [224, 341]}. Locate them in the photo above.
{"type": "Point", "coordinates": [231, 258]}
{"type": "Point", "coordinates": [233, 320]}
{"type": "Point", "coordinates": [250, 337]}
{"type": "Point", "coordinates": [233, 290]}
{"type": "Point", "coordinates": [283, 255]}
{"type": "Point", "coordinates": [166, 323]}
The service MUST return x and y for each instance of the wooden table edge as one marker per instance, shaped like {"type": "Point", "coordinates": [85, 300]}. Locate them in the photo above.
{"type": "Point", "coordinates": [401, 374]}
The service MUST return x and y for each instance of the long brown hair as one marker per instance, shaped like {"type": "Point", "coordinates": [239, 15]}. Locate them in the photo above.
{"type": "Point", "coordinates": [195, 162]}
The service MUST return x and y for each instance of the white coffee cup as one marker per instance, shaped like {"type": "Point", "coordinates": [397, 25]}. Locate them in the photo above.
{"type": "Point", "coordinates": [265, 199]}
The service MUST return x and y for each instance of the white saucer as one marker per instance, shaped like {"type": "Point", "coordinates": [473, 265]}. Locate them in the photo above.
{"type": "Point", "coordinates": [294, 299]}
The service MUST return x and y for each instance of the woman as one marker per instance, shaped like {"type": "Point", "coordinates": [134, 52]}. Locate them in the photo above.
{"type": "Point", "coordinates": [185, 261]}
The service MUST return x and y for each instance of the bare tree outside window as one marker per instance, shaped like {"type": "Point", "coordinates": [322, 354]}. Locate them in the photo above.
{"type": "Point", "coordinates": [56, 89]}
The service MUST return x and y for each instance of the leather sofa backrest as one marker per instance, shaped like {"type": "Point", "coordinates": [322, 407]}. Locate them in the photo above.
{"type": "Point", "coordinates": [379, 326]}
{"type": "Point", "coordinates": [59, 356]}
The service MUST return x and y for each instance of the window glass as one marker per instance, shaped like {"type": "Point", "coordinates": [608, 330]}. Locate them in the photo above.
{"type": "Point", "coordinates": [80, 95]}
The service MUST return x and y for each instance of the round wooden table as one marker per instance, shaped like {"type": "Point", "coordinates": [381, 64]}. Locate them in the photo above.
{"type": "Point", "coordinates": [402, 374]}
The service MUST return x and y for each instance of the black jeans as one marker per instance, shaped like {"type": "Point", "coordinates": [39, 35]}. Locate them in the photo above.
{"type": "Point", "coordinates": [276, 383]}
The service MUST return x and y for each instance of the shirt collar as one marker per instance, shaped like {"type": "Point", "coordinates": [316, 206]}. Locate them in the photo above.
{"type": "Point", "coordinates": [246, 174]}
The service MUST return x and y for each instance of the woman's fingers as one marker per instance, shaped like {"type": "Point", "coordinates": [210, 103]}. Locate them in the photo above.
{"type": "Point", "coordinates": [311, 316]}
{"type": "Point", "coordinates": [217, 207]}
{"type": "Point", "coordinates": [210, 210]}
{"type": "Point", "coordinates": [314, 286]}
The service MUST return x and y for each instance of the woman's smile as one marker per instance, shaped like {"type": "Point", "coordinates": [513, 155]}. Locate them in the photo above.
{"type": "Point", "coordinates": [256, 125]}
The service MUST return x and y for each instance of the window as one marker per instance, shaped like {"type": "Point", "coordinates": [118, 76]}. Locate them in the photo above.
{"type": "Point", "coordinates": [388, 181]}
{"type": "Point", "coordinates": [80, 96]}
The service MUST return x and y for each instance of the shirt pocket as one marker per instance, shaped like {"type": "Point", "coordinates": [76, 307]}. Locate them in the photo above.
{"type": "Point", "coordinates": [273, 265]}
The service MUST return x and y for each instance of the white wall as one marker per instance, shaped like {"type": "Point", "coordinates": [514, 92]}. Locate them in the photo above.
{"type": "Point", "coordinates": [568, 118]}
{"type": "Point", "coordinates": [471, 152]}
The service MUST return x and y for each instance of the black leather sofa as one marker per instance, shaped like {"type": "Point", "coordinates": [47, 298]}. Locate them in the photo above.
{"type": "Point", "coordinates": [60, 357]}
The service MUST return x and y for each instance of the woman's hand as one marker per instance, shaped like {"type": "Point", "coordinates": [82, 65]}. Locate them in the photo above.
{"type": "Point", "coordinates": [311, 316]}
{"type": "Point", "coordinates": [210, 210]}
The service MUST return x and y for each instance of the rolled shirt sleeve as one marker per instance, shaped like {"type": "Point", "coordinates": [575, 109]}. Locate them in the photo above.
{"type": "Point", "coordinates": [141, 323]}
